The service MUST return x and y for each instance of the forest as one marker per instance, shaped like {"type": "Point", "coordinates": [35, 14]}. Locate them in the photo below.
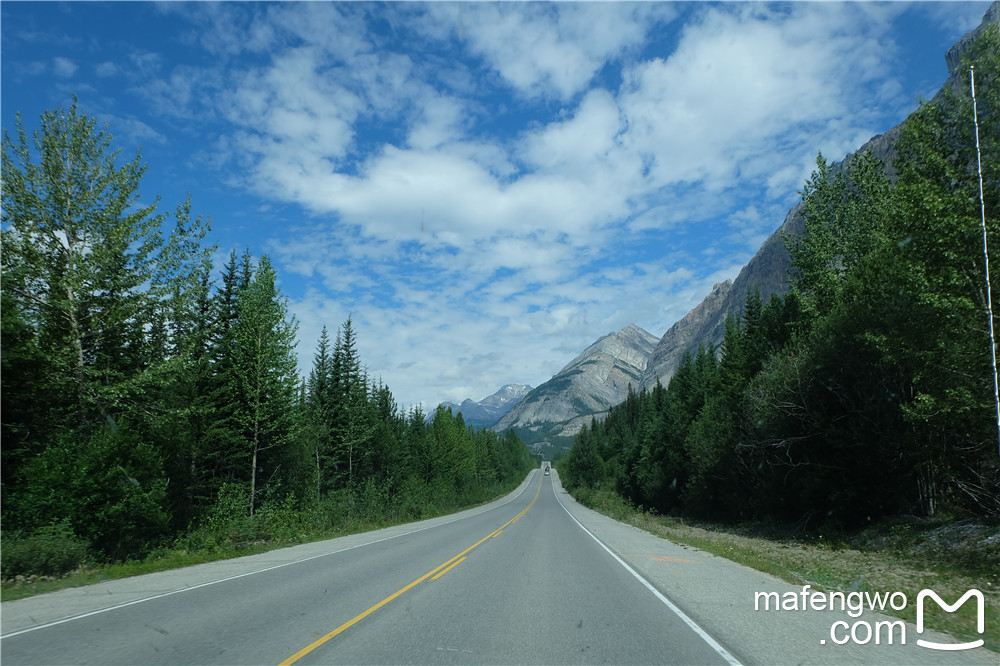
{"type": "Point", "coordinates": [150, 402]}
{"type": "Point", "coordinates": [867, 391]}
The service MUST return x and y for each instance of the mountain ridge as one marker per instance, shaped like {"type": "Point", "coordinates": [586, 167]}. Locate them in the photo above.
{"type": "Point", "coordinates": [769, 270]}
{"type": "Point", "coordinates": [486, 412]}
{"type": "Point", "coordinates": [546, 417]}
{"type": "Point", "coordinates": [593, 382]}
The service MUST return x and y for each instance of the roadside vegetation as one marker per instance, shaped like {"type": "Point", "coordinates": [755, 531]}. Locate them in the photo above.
{"type": "Point", "coordinates": [60, 560]}
{"type": "Point", "coordinates": [152, 410]}
{"type": "Point", "coordinates": [853, 419]}
{"type": "Point", "coordinates": [864, 393]}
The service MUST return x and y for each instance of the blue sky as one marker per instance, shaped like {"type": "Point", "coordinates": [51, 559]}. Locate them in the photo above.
{"type": "Point", "coordinates": [485, 188]}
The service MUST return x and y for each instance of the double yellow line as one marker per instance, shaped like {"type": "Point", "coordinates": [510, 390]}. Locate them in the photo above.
{"type": "Point", "coordinates": [434, 574]}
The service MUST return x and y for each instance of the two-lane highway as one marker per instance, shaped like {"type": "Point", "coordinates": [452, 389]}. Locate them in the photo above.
{"type": "Point", "coordinates": [519, 583]}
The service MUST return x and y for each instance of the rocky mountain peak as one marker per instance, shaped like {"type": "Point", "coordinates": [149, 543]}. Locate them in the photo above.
{"type": "Point", "coordinates": [599, 377]}
{"type": "Point", "coordinates": [508, 396]}
{"type": "Point", "coordinates": [486, 412]}
{"type": "Point", "coordinates": [586, 388]}
{"type": "Point", "coordinates": [690, 331]}
{"type": "Point", "coordinates": [770, 269]}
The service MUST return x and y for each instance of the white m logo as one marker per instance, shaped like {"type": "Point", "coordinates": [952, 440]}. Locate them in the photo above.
{"type": "Point", "coordinates": [980, 624]}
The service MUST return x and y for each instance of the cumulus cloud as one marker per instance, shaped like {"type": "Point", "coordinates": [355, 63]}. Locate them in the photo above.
{"type": "Point", "coordinates": [744, 88]}
{"type": "Point", "coordinates": [525, 177]}
{"type": "Point", "coordinates": [543, 50]}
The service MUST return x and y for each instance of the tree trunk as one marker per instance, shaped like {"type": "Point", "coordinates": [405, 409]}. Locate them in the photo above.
{"type": "Point", "coordinates": [253, 477]}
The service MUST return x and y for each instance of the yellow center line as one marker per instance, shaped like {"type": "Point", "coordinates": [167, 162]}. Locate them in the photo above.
{"type": "Point", "coordinates": [439, 571]}
{"type": "Point", "coordinates": [444, 571]}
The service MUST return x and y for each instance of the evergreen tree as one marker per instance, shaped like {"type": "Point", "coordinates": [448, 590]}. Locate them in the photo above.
{"type": "Point", "coordinates": [221, 456]}
{"type": "Point", "coordinates": [319, 412]}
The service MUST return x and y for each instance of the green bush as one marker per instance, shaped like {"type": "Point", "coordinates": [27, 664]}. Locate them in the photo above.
{"type": "Point", "coordinates": [48, 551]}
{"type": "Point", "coordinates": [280, 520]}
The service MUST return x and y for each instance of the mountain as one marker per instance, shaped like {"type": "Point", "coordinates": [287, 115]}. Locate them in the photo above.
{"type": "Point", "coordinates": [588, 386]}
{"type": "Point", "coordinates": [686, 334]}
{"type": "Point", "coordinates": [490, 409]}
{"type": "Point", "coordinates": [770, 269]}
{"type": "Point", "coordinates": [550, 415]}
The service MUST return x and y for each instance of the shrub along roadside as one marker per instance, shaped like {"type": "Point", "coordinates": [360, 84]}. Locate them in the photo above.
{"type": "Point", "coordinates": [48, 551]}
{"type": "Point", "coordinates": [224, 535]}
{"type": "Point", "coordinates": [905, 556]}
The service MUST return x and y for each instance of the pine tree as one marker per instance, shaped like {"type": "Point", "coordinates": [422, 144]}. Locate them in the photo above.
{"type": "Point", "coordinates": [319, 413]}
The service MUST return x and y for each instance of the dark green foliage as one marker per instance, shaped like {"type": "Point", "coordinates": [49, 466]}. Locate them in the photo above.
{"type": "Point", "coordinates": [867, 390]}
{"type": "Point", "coordinates": [584, 465]}
{"type": "Point", "coordinates": [111, 490]}
{"type": "Point", "coordinates": [144, 404]}
{"type": "Point", "coordinates": [47, 551]}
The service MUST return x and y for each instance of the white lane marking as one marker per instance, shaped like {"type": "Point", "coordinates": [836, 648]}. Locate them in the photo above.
{"type": "Point", "coordinates": [723, 652]}
{"type": "Point", "coordinates": [514, 495]}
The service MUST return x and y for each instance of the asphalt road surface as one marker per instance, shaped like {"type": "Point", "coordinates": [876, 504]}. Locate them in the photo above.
{"type": "Point", "coordinates": [519, 583]}
{"type": "Point", "coordinates": [533, 578]}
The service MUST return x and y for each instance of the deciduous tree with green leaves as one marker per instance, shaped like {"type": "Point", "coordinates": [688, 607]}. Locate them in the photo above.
{"type": "Point", "coordinates": [264, 372]}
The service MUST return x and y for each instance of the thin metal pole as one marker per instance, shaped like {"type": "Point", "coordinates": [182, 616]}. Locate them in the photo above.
{"type": "Point", "coordinates": [986, 255]}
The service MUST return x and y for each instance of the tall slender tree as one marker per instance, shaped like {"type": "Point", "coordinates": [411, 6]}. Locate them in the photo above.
{"type": "Point", "coordinates": [78, 249]}
{"type": "Point", "coordinates": [265, 371]}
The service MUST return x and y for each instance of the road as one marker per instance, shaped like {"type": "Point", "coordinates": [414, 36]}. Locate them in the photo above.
{"type": "Point", "coordinates": [519, 583]}
{"type": "Point", "coordinates": [533, 578]}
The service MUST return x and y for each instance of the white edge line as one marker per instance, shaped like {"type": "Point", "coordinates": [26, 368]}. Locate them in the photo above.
{"type": "Point", "coordinates": [723, 652]}
{"type": "Point", "coordinates": [72, 618]}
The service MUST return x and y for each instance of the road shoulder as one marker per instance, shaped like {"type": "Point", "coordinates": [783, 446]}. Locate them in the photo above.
{"type": "Point", "coordinates": [720, 596]}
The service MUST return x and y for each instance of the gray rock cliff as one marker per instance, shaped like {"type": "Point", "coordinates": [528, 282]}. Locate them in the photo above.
{"type": "Point", "coordinates": [585, 388]}
{"type": "Point", "coordinates": [770, 269]}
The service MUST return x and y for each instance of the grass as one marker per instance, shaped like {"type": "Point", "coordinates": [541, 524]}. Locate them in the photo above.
{"type": "Point", "coordinates": [21, 587]}
{"type": "Point", "coordinates": [906, 555]}
{"type": "Point", "coordinates": [28, 586]}
{"type": "Point", "coordinates": [208, 546]}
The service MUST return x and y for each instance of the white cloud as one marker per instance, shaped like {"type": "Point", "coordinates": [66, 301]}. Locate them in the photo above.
{"type": "Point", "coordinates": [584, 147]}
{"type": "Point", "coordinates": [33, 68]}
{"type": "Point", "coordinates": [442, 121]}
{"type": "Point", "coordinates": [956, 17]}
{"type": "Point", "coordinates": [473, 248]}
{"type": "Point", "coordinates": [132, 131]}
{"type": "Point", "coordinates": [106, 69]}
{"type": "Point", "coordinates": [743, 87]}
{"type": "Point", "coordinates": [64, 68]}
{"type": "Point", "coordinates": [544, 50]}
